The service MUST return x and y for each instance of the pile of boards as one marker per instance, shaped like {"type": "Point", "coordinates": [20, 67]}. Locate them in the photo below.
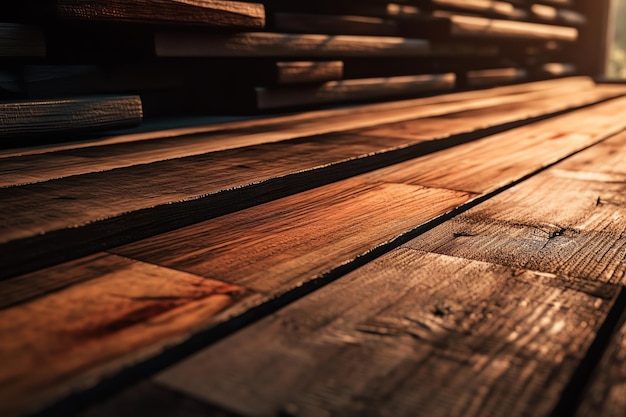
{"type": "Point", "coordinates": [77, 66]}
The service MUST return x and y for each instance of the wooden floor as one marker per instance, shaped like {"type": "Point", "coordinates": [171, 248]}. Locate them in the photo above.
{"type": "Point", "coordinates": [457, 255]}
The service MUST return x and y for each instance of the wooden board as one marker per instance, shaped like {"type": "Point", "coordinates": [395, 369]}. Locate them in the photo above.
{"type": "Point", "coordinates": [59, 161]}
{"type": "Point", "coordinates": [564, 16]}
{"type": "Point", "coordinates": [409, 334]}
{"type": "Point", "coordinates": [73, 216]}
{"type": "Point", "coordinates": [489, 7]}
{"type": "Point", "coordinates": [124, 312]}
{"type": "Point", "coordinates": [333, 24]}
{"type": "Point", "coordinates": [490, 77]}
{"type": "Point", "coordinates": [204, 12]}
{"type": "Point", "coordinates": [172, 44]}
{"type": "Point", "coordinates": [353, 90]}
{"type": "Point", "coordinates": [18, 40]}
{"type": "Point", "coordinates": [566, 221]}
{"type": "Point", "coordinates": [67, 116]}
{"type": "Point", "coordinates": [304, 72]}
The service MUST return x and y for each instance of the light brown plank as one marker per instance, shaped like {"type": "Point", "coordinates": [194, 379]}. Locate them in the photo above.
{"type": "Point", "coordinates": [259, 44]}
{"type": "Point", "coordinates": [500, 8]}
{"type": "Point", "coordinates": [279, 245]}
{"type": "Point", "coordinates": [299, 72]}
{"type": "Point", "coordinates": [478, 167]}
{"type": "Point", "coordinates": [568, 220]}
{"type": "Point", "coordinates": [490, 77]}
{"type": "Point", "coordinates": [409, 334]}
{"type": "Point", "coordinates": [204, 12]}
{"type": "Point", "coordinates": [124, 312]}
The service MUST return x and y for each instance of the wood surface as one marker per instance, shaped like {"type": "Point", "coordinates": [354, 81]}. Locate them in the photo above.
{"type": "Point", "coordinates": [67, 217]}
{"type": "Point", "coordinates": [566, 221]}
{"type": "Point", "coordinates": [471, 26]}
{"type": "Point", "coordinates": [65, 116]}
{"type": "Point", "coordinates": [19, 40]}
{"type": "Point", "coordinates": [411, 333]}
{"type": "Point", "coordinates": [333, 24]}
{"type": "Point", "coordinates": [489, 77]}
{"type": "Point", "coordinates": [196, 12]}
{"type": "Point", "coordinates": [489, 7]}
{"type": "Point", "coordinates": [38, 165]}
{"type": "Point", "coordinates": [353, 90]}
{"type": "Point", "coordinates": [304, 72]}
{"type": "Point", "coordinates": [124, 309]}
{"type": "Point", "coordinates": [178, 44]}
{"type": "Point", "coordinates": [564, 16]}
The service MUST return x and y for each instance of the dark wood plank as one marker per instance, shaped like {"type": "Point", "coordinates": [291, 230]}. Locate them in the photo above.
{"type": "Point", "coordinates": [123, 312]}
{"type": "Point", "coordinates": [20, 119]}
{"type": "Point", "coordinates": [409, 334]}
{"type": "Point", "coordinates": [56, 162]}
{"type": "Point", "coordinates": [490, 77]}
{"type": "Point", "coordinates": [205, 13]}
{"type": "Point", "coordinates": [568, 220]}
{"type": "Point", "coordinates": [301, 72]}
{"type": "Point", "coordinates": [606, 395]}
{"type": "Point", "coordinates": [18, 40]}
{"type": "Point", "coordinates": [68, 217]}
{"type": "Point", "coordinates": [353, 90]}
{"type": "Point", "coordinates": [172, 44]}
{"type": "Point", "coordinates": [333, 24]}
{"type": "Point", "coordinates": [489, 7]}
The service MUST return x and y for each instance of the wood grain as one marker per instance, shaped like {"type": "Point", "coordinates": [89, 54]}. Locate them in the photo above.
{"type": "Point", "coordinates": [489, 340]}
{"type": "Point", "coordinates": [568, 220]}
{"type": "Point", "coordinates": [68, 116]}
{"type": "Point", "coordinates": [196, 12]}
{"type": "Point", "coordinates": [490, 77]}
{"type": "Point", "coordinates": [172, 44]}
{"type": "Point", "coordinates": [489, 7]}
{"type": "Point", "coordinates": [58, 162]}
{"type": "Point", "coordinates": [60, 219]}
{"type": "Point", "coordinates": [279, 245]}
{"type": "Point", "coordinates": [123, 312]}
{"type": "Point", "coordinates": [353, 90]}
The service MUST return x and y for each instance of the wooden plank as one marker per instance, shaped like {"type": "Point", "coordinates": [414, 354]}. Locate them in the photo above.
{"type": "Point", "coordinates": [498, 8]}
{"type": "Point", "coordinates": [353, 90]}
{"type": "Point", "coordinates": [333, 120]}
{"type": "Point", "coordinates": [566, 221]}
{"type": "Point", "coordinates": [333, 24]}
{"type": "Point", "coordinates": [172, 44]}
{"type": "Point", "coordinates": [490, 77]}
{"type": "Point", "coordinates": [203, 12]}
{"type": "Point", "coordinates": [18, 40]}
{"type": "Point", "coordinates": [124, 312]}
{"type": "Point", "coordinates": [564, 16]}
{"type": "Point", "coordinates": [489, 340]}
{"type": "Point", "coordinates": [68, 217]}
{"type": "Point", "coordinates": [67, 116]}
{"type": "Point", "coordinates": [606, 394]}
{"type": "Point", "coordinates": [478, 27]}
{"type": "Point", "coordinates": [300, 72]}
{"type": "Point", "coordinates": [85, 158]}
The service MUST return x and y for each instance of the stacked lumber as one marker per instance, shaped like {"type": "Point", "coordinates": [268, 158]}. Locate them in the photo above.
{"type": "Point", "coordinates": [173, 57]}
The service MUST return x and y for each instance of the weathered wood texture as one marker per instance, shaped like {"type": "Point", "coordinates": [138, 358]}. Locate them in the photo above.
{"type": "Point", "coordinates": [67, 116]}
{"type": "Point", "coordinates": [299, 72]}
{"type": "Point", "coordinates": [568, 220]}
{"type": "Point", "coordinates": [123, 312]}
{"type": "Point", "coordinates": [203, 12]}
{"type": "Point", "coordinates": [37, 165]}
{"type": "Point", "coordinates": [76, 215]}
{"type": "Point", "coordinates": [333, 24]}
{"type": "Point", "coordinates": [171, 44]}
{"type": "Point", "coordinates": [409, 334]}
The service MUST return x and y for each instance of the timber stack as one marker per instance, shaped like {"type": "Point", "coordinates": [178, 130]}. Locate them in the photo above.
{"type": "Point", "coordinates": [79, 66]}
